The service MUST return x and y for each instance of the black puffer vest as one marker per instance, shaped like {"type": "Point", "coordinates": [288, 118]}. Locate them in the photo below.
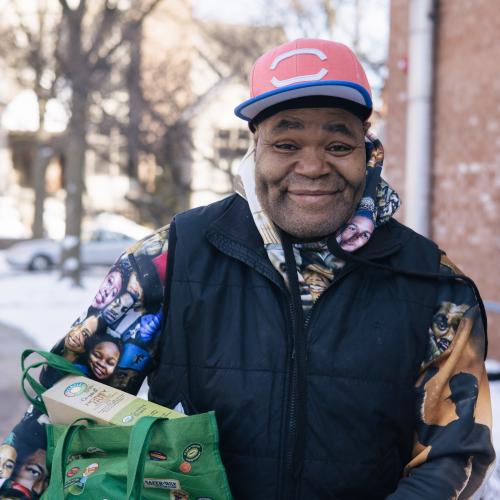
{"type": "Point", "coordinates": [336, 423]}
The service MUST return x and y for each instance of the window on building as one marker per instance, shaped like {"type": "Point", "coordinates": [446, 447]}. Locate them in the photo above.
{"type": "Point", "coordinates": [230, 144]}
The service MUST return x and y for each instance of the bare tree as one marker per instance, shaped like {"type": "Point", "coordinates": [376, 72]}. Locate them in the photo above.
{"type": "Point", "coordinates": [27, 48]}
{"type": "Point", "coordinates": [90, 41]}
{"type": "Point", "coordinates": [70, 51]}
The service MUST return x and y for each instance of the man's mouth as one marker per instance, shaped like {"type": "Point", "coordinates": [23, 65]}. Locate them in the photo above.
{"type": "Point", "coordinates": [313, 192]}
{"type": "Point", "coordinates": [311, 196]}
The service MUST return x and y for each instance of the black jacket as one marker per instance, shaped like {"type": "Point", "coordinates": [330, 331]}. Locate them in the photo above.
{"type": "Point", "coordinates": [321, 410]}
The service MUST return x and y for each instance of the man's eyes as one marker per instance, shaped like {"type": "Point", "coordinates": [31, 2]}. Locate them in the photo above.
{"type": "Point", "coordinates": [340, 149]}
{"type": "Point", "coordinates": [286, 146]}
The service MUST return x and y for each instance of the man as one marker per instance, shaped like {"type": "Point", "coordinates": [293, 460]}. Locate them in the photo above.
{"type": "Point", "coordinates": [317, 351]}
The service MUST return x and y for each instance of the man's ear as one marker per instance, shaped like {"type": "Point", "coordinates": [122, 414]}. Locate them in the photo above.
{"type": "Point", "coordinates": [255, 138]}
{"type": "Point", "coordinates": [366, 126]}
{"type": "Point", "coordinates": [255, 133]}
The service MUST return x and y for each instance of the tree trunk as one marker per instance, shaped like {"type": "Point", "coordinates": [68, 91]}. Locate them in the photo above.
{"type": "Point", "coordinates": [178, 148]}
{"type": "Point", "coordinates": [135, 101]}
{"type": "Point", "coordinates": [43, 155]}
{"type": "Point", "coordinates": [75, 170]}
{"type": "Point", "coordinates": [78, 72]}
{"type": "Point", "coordinates": [39, 168]}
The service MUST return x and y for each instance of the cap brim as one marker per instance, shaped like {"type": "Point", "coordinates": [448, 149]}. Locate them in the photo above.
{"type": "Point", "coordinates": [349, 91]}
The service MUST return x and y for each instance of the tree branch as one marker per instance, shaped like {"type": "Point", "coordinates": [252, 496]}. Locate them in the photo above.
{"type": "Point", "coordinates": [107, 17]}
{"type": "Point", "coordinates": [128, 28]}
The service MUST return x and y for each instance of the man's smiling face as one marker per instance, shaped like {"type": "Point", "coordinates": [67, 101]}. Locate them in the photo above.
{"type": "Point", "coordinates": [310, 169]}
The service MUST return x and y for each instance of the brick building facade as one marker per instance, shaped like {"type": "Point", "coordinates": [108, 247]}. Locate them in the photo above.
{"type": "Point", "coordinates": [465, 197]}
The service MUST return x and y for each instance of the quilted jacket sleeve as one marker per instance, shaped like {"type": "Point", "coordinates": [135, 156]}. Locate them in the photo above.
{"type": "Point", "coordinates": [452, 450]}
{"type": "Point", "coordinates": [114, 342]}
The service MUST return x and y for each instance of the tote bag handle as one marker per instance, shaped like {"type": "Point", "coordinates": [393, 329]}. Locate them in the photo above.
{"type": "Point", "coordinates": [50, 359]}
{"type": "Point", "coordinates": [139, 441]}
{"type": "Point", "coordinates": [55, 491]}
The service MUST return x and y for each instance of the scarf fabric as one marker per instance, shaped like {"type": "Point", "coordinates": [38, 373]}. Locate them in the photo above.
{"type": "Point", "coordinates": [316, 265]}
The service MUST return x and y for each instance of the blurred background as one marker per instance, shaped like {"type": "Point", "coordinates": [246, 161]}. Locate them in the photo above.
{"type": "Point", "coordinates": [116, 114]}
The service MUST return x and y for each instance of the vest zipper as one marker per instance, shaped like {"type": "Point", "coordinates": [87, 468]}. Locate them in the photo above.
{"type": "Point", "coordinates": [293, 444]}
{"type": "Point", "coordinates": [297, 418]}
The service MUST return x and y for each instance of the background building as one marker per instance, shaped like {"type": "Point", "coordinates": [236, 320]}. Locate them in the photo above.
{"type": "Point", "coordinates": [464, 205]}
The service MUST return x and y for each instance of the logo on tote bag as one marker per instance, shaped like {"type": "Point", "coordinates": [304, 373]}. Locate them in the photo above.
{"type": "Point", "coordinates": [179, 495]}
{"type": "Point", "coordinates": [164, 484]}
{"type": "Point", "coordinates": [192, 452]}
{"type": "Point", "coordinates": [157, 456]}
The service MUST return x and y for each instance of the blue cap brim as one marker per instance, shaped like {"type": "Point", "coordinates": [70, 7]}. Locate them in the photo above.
{"type": "Point", "coordinates": [350, 91]}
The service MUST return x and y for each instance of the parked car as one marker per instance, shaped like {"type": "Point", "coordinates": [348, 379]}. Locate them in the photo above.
{"type": "Point", "coordinates": [101, 245]}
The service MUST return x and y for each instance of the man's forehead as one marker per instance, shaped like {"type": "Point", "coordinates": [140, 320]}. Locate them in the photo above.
{"type": "Point", "coordinates": [330, 119]}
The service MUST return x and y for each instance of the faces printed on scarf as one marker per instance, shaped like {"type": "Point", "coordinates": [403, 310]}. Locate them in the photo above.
{"type": "Point", "coordinates": [134, 288]}
{"type": "Point", "coordinates": [356, 234]}
{"type": "Point", "coordinates": [118, 308]}
{"type": "Point", "coordinates": [310, 169]}
{"type": "Point", "coordinates": [125, 379]}
{"type": "Point", "coordinates": [76, 337]}
{"type": "Point", "coordinates": [33, 472]}
{"type": "Point", "coordinates": [152, 246]}
{"type": "Point", "coordinates": [103, 358]}
{"type": "Point", "coordinates": [109, 289]}
{"type": "Point", "coordinates": [132, 297]}
{"type": "Point", "coordinates": [445, 323]}
{"type": "Point", "coordinates": [8, 456]}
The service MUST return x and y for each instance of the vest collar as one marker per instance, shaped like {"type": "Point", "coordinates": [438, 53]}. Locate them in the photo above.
{"type": "Point", "coordinates": [237, 225]}
{"type": "Point", "coordinates": [235, 234]}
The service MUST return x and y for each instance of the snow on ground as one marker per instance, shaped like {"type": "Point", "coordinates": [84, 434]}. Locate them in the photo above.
{"type": "Point", "coordinates": [41, 304]}
{"type": "Point", "coordinates": [4, 267]}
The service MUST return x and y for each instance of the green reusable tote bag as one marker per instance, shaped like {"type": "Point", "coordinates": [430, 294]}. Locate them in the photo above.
{"type": "Point", "coordinates": [156, 458]}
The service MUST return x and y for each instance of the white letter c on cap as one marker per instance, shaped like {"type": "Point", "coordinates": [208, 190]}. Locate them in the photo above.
{"type": "Point", "coordinates": [300, 78]}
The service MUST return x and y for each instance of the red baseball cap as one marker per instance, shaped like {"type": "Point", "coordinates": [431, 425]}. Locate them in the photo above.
{"type": "Point", "coordinates": [306, 68]}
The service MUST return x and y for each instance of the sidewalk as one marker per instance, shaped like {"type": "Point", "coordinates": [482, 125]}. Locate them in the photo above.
{"type": "Point", "coordinates": [12, 402]}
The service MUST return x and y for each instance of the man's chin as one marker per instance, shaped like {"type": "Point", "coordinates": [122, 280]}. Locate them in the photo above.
{"type": "Point", "coordinates": [308, 230]}
{"type": "Point", "coordinates": [307, 223]}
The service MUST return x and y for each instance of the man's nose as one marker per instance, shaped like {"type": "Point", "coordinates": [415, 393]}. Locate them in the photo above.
{"type": "Point", "coordinates": [312, 163]}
